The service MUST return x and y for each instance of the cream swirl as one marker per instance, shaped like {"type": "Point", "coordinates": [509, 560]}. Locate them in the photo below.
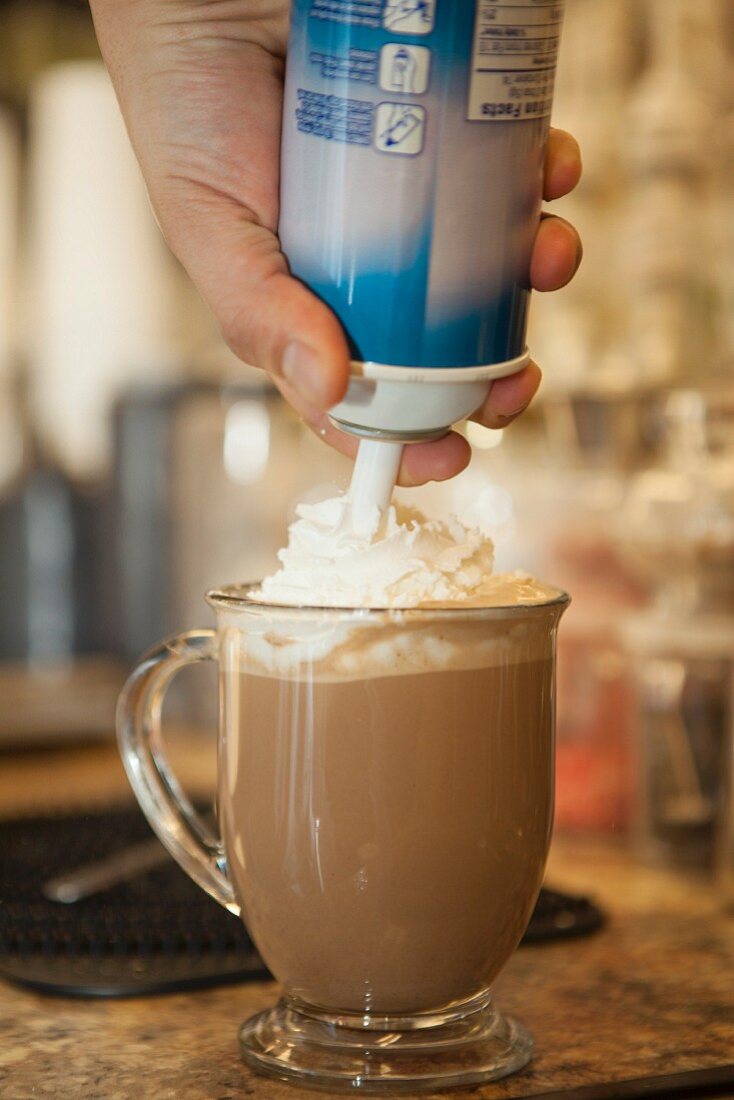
{"type": "Point", "coordinates": [404, 561]}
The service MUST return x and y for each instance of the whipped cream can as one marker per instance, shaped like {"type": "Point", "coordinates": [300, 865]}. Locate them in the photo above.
{"type": "Point", "coordinates": [412, 163]}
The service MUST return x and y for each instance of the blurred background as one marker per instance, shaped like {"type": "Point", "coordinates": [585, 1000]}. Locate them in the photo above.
{"type": "Point", "coordinates": [140, 463]}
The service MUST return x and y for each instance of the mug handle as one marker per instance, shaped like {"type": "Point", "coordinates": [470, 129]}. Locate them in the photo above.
{"type": "Point", "coordinates": [179, 827]}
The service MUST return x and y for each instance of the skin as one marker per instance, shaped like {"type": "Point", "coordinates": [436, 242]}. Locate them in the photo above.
{"type": "Point", "coordinates": [200, 83]}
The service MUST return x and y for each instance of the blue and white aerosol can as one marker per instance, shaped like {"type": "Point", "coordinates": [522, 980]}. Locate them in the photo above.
{"type": "Point", "coordinates": [412, 164]}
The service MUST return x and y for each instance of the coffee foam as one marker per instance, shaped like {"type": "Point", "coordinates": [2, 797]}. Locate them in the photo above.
{"type": "Point", "coordinates": [330, 650]}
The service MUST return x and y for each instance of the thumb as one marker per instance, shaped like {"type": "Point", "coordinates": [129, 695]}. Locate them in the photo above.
{"type": "Point", "coordinates": [269, 319]}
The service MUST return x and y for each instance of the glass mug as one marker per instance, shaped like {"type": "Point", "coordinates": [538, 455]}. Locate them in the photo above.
{"type": "Point", "coordinates": [385, 800]}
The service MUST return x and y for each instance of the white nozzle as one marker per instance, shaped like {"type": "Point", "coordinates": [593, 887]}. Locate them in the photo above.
{"type": "Point", "coordinates": [414, 404]}
{"type": "Point", "coordinates": [373, 481]}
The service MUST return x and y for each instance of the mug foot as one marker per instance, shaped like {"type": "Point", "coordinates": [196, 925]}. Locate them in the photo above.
{"type": "Point", "coordinates": [391, 1055]}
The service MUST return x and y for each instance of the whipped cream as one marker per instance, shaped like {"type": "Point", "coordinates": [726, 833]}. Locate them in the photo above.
{"type": "Point", "coordinates": [401, 560]}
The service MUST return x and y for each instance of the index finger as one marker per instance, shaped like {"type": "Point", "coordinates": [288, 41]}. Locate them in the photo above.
{"type": "Point", "coordinates": [562, 165]}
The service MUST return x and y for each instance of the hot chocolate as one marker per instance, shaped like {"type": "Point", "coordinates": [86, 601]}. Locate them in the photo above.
{"type": "Point", "coordinates": [386, 795]}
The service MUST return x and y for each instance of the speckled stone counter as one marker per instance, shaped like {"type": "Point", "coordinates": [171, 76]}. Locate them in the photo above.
{"type": "Point", "coordinates": [652, 995]}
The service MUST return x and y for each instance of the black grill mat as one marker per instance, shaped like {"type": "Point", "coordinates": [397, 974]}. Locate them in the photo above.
{"type": "Point", "coordinates": [156, 933]}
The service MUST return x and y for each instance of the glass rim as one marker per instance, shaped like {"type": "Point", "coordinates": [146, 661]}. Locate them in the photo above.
{"type": "Point", "coordinates": [235, 597]}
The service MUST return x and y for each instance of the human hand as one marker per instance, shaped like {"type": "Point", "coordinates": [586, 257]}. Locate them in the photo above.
{"type": "Point", "coordinates": [200, 83]}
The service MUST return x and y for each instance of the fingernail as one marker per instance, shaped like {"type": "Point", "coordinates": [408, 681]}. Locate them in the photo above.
{"type": "Point", "coordinates": [303, 370]}
{"type": "Point", "coordinates": [505, 418]}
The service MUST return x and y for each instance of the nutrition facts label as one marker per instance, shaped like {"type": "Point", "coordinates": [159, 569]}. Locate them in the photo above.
{"type": "Point", "coordinates": [514, 59]}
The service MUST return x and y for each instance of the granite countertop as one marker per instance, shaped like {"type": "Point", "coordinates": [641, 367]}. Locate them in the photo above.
{"type": "Point", "coordinates": [651, 995]}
